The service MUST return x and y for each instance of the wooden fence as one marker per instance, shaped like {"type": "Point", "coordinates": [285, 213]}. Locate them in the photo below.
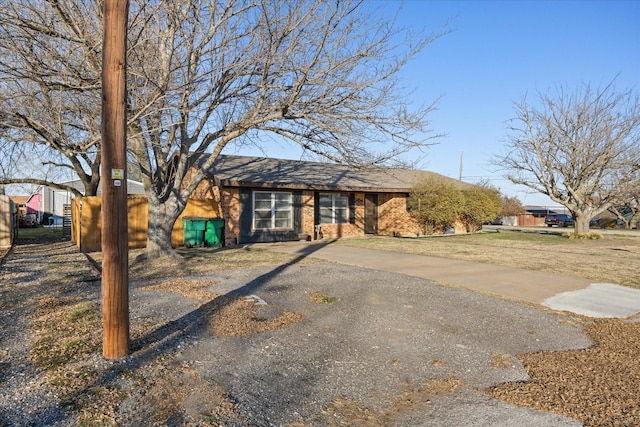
{"type": "Point", "coordinates": [529, 220]}
{"type": "Point", "coordinates": [86, 226]}
{"type": "Point", "coordinates": [8, 221]}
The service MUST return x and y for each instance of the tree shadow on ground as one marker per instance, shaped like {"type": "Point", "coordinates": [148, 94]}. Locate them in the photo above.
{"type": "Point", "coordinates": [168, 337]}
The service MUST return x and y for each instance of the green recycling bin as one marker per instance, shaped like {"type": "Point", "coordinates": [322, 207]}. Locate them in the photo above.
{"type": "Point", "coordinates": [213, 232]}
{"type": "Point", "coordinates": [194, 230]}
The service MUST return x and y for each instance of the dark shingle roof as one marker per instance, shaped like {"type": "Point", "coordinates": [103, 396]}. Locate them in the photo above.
{"type": "Point", "coordinates": [261, 172]}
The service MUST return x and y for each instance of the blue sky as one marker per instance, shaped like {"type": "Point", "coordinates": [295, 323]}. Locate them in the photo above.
{"type": "Point", "coordinates": [500, 51]}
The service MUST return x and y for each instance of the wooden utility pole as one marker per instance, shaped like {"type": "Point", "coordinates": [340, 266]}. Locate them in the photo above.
{"type": "Point", "coordinates": [115, 253]}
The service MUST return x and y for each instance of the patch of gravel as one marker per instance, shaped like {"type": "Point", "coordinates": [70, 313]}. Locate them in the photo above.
{"type": "Point", "coordinates": [26, 397]}
{"type": "Point", "coordinates": [300, 344]}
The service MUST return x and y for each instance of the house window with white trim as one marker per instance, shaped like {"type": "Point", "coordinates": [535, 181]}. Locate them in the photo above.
{"type": "Point", "coordinates": [334, 208]}
{"type": "Point", "coordinates": [272, 209]}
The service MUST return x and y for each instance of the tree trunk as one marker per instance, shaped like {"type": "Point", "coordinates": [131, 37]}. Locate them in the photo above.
{"type": "Point", "coordinates": [581, 224]}
{"type": "Point", "coordinates": [162, 217]}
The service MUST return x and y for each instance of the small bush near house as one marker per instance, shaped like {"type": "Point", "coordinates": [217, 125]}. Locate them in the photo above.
{"type": "Point", "coordinates": [481, 203]}
{"type": "Point", "coordinates": [435, 202]}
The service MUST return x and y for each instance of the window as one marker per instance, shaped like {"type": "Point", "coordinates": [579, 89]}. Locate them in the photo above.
{"type": "Point", "coordinates": [334, 208]}
{"type": "Point", "coordinates": [271, 210]}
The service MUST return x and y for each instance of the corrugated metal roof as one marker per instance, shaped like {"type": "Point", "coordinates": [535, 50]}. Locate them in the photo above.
{"type": "Point", "coordinates": [262, 172]}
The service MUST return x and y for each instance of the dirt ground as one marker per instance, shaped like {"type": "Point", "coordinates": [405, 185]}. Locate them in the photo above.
{"type": "Point", "coordinates": [52, 372]}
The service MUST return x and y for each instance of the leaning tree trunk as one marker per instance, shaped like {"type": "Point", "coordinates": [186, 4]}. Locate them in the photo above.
{"type": "Point", "coordinates": [161, 218]}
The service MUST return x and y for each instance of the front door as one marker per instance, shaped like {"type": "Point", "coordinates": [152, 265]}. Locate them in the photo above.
{"type": "Point", "coordinates": [371, 214]}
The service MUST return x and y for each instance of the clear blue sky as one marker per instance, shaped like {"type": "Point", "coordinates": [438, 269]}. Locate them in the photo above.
{"type": "Point", "coordinates": [500, 51]}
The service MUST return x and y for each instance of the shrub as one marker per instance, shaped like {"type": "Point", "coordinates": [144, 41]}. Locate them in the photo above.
{"type": "Point", "coordinates": [588, 236]}
{"type": "Point", "coordinates": [435, 202]}
{"type": "Point", "coordinates": [481, 203]}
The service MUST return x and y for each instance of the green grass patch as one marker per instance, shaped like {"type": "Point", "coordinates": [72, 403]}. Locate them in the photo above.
{"type": "Point", "coordinates": [319, 298]}
{"type": "Point", "coordinates": [86, 310]}
{"type": "Point", "coordinates": [39, 232]}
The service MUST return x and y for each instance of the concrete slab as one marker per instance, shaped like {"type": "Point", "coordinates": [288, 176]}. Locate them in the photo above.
{"type": "Point", "coordinates": [598, 300]}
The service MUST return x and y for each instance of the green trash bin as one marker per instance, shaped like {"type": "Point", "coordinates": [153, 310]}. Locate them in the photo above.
{"type": "Point", "coordinates": [213, 232]}
{"type": "Point", "coordinates": [194, 229]}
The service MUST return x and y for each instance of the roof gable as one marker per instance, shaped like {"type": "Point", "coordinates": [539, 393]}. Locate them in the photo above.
{"type": "Point", "coordinates": [19, 200]}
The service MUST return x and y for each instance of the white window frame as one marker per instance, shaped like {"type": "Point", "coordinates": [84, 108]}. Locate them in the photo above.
{"type": "Point", "coordinates": [333, 208]}
{"type": "Point", "coordinates": [273, 209]}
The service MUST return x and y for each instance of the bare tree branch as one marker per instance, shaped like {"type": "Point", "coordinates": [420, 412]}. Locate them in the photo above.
{"type": "Point", "coordinates": [204, 74]}
{"type": "Point", "coordinates": [50, 62]}
{"type": "Point", "coordinates": [581, 148]}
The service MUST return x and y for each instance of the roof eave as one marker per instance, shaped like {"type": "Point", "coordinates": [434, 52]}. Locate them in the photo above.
{"type": "Point", "coordinates": [308, 187]}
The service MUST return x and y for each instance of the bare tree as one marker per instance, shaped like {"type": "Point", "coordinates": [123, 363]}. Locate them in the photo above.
{"type": "Point", "coordinates": [511, 206]}
{"type": "Point", "coordinates": [628, 209]}
{"type": "Point", "coordinates": [322, 75]}
{"type": "Point", "coordinates": [206, 74]}
{"type": "Point", "coordinates": [50, 62]}
{"type": "Point", "coordinates": [581, 148]}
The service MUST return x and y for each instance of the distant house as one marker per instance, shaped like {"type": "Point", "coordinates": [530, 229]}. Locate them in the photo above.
{"type": "Point", "coordinates": [535, 215]}
{"type": "Point", "coordinates": [20, 203]}
{"type": "Point", "coordinates": [34, 204]}
{"type": "Point", "coordinates": [53, 200]}
{"type": "Point", "coordinates": [267, 200]}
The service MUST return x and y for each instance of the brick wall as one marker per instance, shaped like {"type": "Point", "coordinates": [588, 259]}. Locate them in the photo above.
{"type": "Point", "coordinates": [393, 218]}
{"type": "Point", "coordinates": [230, 203]}
{"type": "Point", "coordinates": [334, 231]}
{"type": "Point", "coordinates": [307, 213]}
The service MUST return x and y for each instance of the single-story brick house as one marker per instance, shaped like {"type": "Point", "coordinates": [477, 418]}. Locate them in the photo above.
{"type": "Point", "coordinates": [268, 200]}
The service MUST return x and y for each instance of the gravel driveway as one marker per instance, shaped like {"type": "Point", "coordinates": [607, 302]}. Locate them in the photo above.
{"type": "Point", "coordinates": [383, 344]}
{"type": "Point", "coordinates": [385, 349]}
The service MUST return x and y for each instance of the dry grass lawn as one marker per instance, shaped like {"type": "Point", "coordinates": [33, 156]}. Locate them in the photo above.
{"type": "Point", "coordinates": [612, 259]}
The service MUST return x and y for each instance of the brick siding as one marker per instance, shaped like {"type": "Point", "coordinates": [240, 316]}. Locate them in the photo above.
{"type": "Point", "coordinates": [393, 217]}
